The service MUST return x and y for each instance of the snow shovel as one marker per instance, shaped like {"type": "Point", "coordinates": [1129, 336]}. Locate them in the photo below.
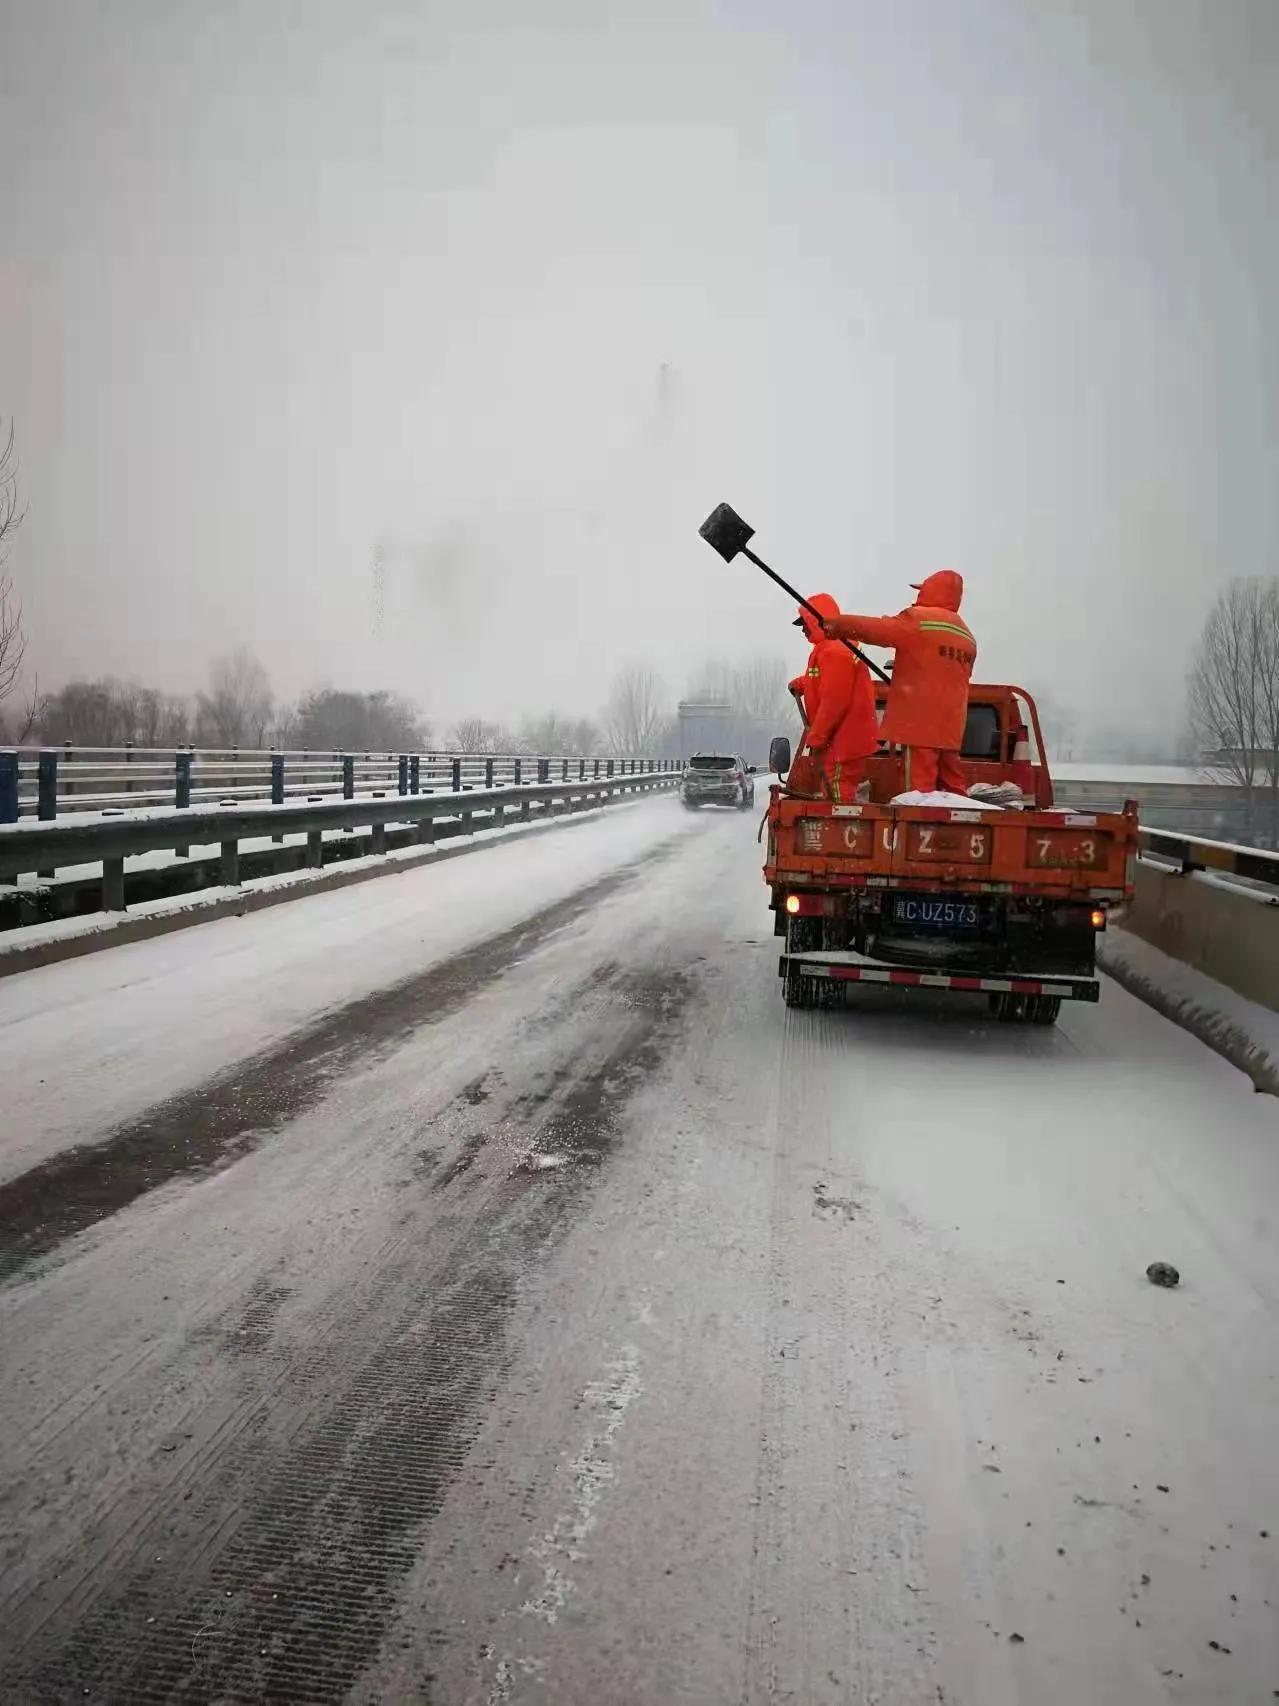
{"type": "Point", "coordinates": [725, 531]}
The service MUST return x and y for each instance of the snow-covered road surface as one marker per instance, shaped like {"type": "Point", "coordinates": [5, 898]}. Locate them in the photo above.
{"type": "Point", "coordinates": [476, 1287]}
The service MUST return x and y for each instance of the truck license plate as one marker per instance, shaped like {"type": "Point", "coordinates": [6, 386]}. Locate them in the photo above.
{"type": "Point", "coordinates": [928, 914]}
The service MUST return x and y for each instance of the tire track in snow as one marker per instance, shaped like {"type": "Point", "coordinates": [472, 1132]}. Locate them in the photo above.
{"type": "Point", "coordinates": [276, 1579]}
{"type": "Point", "coordinates": [205, 1129]}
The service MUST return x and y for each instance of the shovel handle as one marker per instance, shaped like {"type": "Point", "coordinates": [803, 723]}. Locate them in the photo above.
{"type": "Point", "coordinates": [812, 611]}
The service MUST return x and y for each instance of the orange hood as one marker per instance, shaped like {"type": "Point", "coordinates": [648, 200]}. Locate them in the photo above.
{"type": "Point", "coordinates": [826, 604]}
{"type": "Point", "coordinates": [943, 590]}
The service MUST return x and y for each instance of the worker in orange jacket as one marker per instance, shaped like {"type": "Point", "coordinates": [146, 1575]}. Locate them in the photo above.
{"type": "Point", "coordinates": [839, 707]}
{"type": "Point", "coordinates": [928, 698]}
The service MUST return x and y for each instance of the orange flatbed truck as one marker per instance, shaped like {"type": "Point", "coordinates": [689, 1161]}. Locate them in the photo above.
{"type": "Point", "coordinates": [972, 898]}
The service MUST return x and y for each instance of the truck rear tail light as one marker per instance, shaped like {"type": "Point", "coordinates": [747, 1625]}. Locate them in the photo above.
{"type": "Point", "coordinates": [813, 905]}
{"type": "Point", "coordinates": [1098, 918]}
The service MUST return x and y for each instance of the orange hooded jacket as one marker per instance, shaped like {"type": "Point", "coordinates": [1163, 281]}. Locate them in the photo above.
{"type": "Point", "coordinates": [839, 701]}
{"type": "Point", "coordinates": [935, 652]}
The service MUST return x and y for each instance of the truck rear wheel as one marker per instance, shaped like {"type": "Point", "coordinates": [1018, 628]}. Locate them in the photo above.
{"type": "Point", "coordinates": [1044, 1009]}
{"type": "Point", "coordinates": [796, 990]}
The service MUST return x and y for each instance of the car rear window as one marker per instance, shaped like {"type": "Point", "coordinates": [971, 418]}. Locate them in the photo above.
{"type": "Point", "coordinates": [706, 762]}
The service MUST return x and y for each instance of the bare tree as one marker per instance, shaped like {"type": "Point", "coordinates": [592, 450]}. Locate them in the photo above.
{"type": "Point", "coordinates": [236, 710]}
{"type": "Point", "coordinates": [361, 722]}
{"type": "Point", "coordinates": [551, 735]}
{"type": "Point", "coordinates": [473, 734]}
{"type": "Point", "coordinates": [1234, 697]}
{"type": "Point", "coordinates": [757, 705]}
{"type": "Point", "coordinates": [758, 691]}
{"type": "Point", "coordinates": [13, 640]}
{"type": "Point", "coordinates": [634, 712]}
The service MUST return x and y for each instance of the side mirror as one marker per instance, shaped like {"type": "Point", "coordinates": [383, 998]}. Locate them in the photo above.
{"type": "Point", "coordinates": [779, 755]}
{"type": "Point", "coordinates": [750, 769]}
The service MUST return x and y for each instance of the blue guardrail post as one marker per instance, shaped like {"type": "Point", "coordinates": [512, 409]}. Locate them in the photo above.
{"type": "Point", "coordinates": [8, 787]}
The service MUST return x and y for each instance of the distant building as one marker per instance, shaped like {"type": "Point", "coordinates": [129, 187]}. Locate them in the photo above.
{"type": "Point", "coordinates": [1263, 758]}
{"type": "Point", "coordinates": [706, 725]}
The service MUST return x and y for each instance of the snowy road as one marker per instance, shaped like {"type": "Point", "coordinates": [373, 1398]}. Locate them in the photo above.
{"type": "Point", "coordinates": [476, 1287]}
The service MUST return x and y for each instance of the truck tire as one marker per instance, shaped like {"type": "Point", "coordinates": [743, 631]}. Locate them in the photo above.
{"type": "Point", "coordinates": [1044, 1009]}
{"type": "Point", "coordinates": [1008, 1008]}
{"type": "Point", "coordinates": [690, 805]}
{"type": "Point", "coordinates": [797, 991]}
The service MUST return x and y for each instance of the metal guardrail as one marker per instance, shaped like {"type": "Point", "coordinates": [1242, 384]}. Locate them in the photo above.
{"type": "Point", "coordinates": [47, 782]}
{"type": "Point", "coordinates": [43, 847]}
{"type": "Point", "coordinates": [1191, 853]}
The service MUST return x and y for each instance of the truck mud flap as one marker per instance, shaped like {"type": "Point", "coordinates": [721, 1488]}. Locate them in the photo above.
{"type": "Point", "coordinates": [1065, 988]}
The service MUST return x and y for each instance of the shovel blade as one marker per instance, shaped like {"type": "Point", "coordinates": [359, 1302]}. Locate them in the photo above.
{"type": "Point", "coordinates": [725, 531]}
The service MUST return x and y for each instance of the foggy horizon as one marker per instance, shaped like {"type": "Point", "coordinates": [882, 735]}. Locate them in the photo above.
{"type": "Point", "coordinates": [519, 302]}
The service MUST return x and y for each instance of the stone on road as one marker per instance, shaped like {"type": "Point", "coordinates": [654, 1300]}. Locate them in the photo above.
{"type": "Point", "coordinates": [503, 1298]}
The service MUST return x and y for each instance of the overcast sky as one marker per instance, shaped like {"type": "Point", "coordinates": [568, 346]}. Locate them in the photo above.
{"type": "Point", "coordinates": [523, 289]}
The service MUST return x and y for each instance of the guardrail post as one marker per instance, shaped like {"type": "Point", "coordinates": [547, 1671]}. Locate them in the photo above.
{"type": "Point", "coordinates": [519, 771]}
{"type": "Point", "coordinates": [230, 862]}
{"type": "Point", "coordinates": [315, 848]}
{"type": "Point", "coordinates": [488, 772]}
{"type": "Point", "coordinates": [113, 885]}
{"type": "Point", "coordinates": [564, 771]}
{"type": "Point", "coordinates": [181, 796]}
{"type": "Point", "coordinates": [581, 770]}
{"type": "Point", "coordinates": [610, 766]}
{"type": "Point", "coordinates": [415, 774]}
{"type": "Point", "coordinates": [47, 794]}
{"type": "Point", "coordinates": [457, 775]}
{"type": "Point", "coordinates": [348, 787]}
{"type": "Point", "coordinates": [377, 838]}
{"type": "Point", "coordinates": [8, 787]}
{"type": "Point", "coordinates": [402, 781]}
{"type": "Point", "coordinates": [47, 786]}
{"type": "Point", "coordinates": [543, 769]}
{"type": "Point", "coordinates": [277, 791]}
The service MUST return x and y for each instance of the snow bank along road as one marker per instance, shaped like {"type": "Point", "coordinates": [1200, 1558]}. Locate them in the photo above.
{"type": "Point", "coordinates": [476, 1287]}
